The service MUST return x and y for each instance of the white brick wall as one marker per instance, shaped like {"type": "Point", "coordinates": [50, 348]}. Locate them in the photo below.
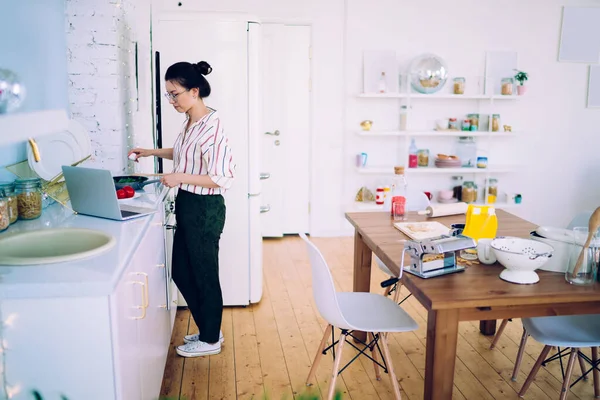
{"type": "Point", "coordinates": [101, 68]}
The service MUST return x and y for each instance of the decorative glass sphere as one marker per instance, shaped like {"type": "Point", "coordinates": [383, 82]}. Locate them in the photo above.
{"type": "Point", "coordinates": [12, 91]}
{"type": "Point", "coordinates": [428, 73]}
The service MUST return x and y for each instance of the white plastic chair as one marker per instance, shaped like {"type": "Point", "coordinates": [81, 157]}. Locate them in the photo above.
{"type": "Point", "coordinates": [354, 311]}
{"type": "Point", "coordinates": [574, 331]}
{"type": "Point", "coordinates": [417, 201]}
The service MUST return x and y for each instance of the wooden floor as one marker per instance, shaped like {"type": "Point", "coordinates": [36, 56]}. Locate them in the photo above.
{"type": "Point", "coordinates": [269, 346]}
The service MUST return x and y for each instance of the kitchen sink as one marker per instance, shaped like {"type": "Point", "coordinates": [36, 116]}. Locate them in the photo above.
{"type": "Point", "coordinates": [48, 246]}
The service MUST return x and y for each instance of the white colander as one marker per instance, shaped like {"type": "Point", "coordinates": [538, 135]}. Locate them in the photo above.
{"type": "Point", "coordinates": [521, 257]}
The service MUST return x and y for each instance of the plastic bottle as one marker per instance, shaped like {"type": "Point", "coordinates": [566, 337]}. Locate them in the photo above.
{"type": "Point", "coordinates": [412, 154]}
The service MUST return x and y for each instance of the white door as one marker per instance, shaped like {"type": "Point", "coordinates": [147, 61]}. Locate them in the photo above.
{"type": "Point", "coordinates": [286, 125]}
{"type": "Point", "coordinates": [224, 45]}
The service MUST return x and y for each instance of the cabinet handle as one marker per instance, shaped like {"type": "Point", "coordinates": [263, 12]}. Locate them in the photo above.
{"type": "Point", "coordinates": [143, 308]}
{"type": "Point", "coordinates": [164, 306]}
{"type": "Point", "coordinates": [160, 265]}
{"type": "Point", "coordinates": [145, 275]}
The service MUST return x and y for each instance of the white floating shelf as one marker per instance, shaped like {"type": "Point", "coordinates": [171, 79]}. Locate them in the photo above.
{"type": "Point", "coordinates": [434, 170]}
{"type": "Point", "coordinates": [19, 127]}
{"type": "Point", "coordinates": [372, 207]}
{"type": "Point", "coordinates": [437, 133]}
{"type": "Point", "coordinates": [436, 96]}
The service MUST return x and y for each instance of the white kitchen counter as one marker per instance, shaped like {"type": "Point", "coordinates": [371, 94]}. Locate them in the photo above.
{"type": "Point", "coordinates": [95, 276]}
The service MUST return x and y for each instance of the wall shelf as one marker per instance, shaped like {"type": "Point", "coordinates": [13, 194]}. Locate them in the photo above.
{"type": "Point", "coordinates": [434, 170]}
{"type": "Point", "coordinates": [19, 127]}
{"type": "Point", "coordinates": [438, 133]}
{"type": "Point", "coordinates": [436, 96]}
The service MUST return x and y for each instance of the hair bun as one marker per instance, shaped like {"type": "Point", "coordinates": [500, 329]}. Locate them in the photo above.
{"type": "Point", "coordinates": [204, 67]}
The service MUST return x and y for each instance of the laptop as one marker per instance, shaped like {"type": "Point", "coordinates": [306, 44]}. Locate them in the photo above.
{"type": "Point", "coordinates": [92, 192]}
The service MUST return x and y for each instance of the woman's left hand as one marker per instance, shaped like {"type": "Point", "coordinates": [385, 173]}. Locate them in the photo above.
{"type": "Point", "coordinates": [172, 180]}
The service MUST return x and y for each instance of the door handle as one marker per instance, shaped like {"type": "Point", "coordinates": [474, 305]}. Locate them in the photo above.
{"type": "Point", "coordinates": [264, 209]}
{"type": "Point", "coordinates": [274, 133]}
{"type": "Point", "coordinates": [264, 175]}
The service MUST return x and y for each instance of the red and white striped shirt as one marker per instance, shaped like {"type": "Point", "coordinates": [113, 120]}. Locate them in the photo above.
{"type": "Point", "coordinates": [204, 150]}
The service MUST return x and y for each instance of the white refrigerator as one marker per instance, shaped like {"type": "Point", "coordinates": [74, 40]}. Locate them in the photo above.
{"type": "Point", "coordinates": [231, 45]}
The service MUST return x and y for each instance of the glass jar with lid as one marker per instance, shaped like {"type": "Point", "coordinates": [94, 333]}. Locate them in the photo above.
{"type": "Point", "coordinates": [7, 190]}
{"type": "Point", "coordinates": [459, 85]}
{"type": "Point", "coordinates": [474, 119]}
{"type": "Point", "coordinates": [457, 182]}
{"type": "Point", "coordinates": [492, 190]}
{"type": "Point", "coordinates": [29, 198]}
{"type": "Point", "coordinates": [4, 218]}
{"type": "Point", "coordinates": [507, 86]}
{"type": "Point", "coordinates": [469, 192]}
{"type": "Point", "coordinates": [495, 122]}
{"type": "Point", "coordinates": [466, 151]}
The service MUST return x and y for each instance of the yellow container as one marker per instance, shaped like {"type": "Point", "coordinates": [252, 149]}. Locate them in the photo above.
{"type": "Point", "coordinates": [482, 222]}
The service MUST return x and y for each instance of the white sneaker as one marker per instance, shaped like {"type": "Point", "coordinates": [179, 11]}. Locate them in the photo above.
{"type": "Point", "coordinates": [196, 336]}
{"type": "Point", "coordinates": [198, 349]}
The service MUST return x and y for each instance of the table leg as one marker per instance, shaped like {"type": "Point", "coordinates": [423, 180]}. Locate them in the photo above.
{"type": "Point", "coordinates": [362, 272]}
{"type": "Point", "coordinates": [440, 356]}
{"type": "Point", "coordinates": [488, 328]}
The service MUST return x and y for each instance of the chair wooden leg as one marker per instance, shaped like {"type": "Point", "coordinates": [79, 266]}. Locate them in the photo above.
{"type": "Point", "coordinates": [397, 292]}
{"type": "Point", "coordinates": [498, 333]}
{"type": "Point", "coordinates": [374, 355]}
{"type": "Point", "coordinates": [534, 370]}
{"type": "Point", "coordinates": [520, 355]}
{"type": "Point", "coordinates": [387, 290]}
{"type": "Point", "coordinates": [315, 364]}
{"type": "Point", "coordinates": [390, 367]}
{"type": "Point", "coordinates": [582, 365]}
{"type": "Point", "coordinates": [596, 372]}
{"type": "Point", "coordinates": [336, 365]}
{"type": "Point", "coordinates": [565, 387]}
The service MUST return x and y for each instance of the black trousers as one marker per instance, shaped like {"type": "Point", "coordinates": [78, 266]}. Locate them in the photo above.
{"type": "Point", "coordinates": [200, 221]}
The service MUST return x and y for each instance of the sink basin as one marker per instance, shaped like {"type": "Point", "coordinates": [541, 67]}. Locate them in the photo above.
{"type": "Point", "coordinates": [48, 246]}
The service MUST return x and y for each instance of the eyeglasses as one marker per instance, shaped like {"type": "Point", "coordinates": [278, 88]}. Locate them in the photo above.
{"type": "Point", "coordinates": [173, 96]}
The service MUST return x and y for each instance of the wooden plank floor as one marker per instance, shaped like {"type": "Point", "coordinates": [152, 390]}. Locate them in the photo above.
{"type": "Point", "coordinates": [269, 346]}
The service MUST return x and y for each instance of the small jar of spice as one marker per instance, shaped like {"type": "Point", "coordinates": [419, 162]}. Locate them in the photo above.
{"type": "Point", "coordinates": [29, 198]}
{"type": "Point", "coordinates": [507, 86]}
{"type": "Point", "coordinates": [495, 122]}
{"type": "Point", "coordinates": [7, 190]}
{"type": "Point", "coordinates": [459, 85]}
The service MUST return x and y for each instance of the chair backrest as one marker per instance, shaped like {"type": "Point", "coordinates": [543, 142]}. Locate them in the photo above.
{"type": "Point", "coordinates": [323, 287]}
{"type": "Point", "coordinates": [581, 219]}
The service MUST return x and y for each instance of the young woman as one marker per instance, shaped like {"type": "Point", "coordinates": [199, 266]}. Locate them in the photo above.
{"type": "Point", "coordinates": [203, 170]}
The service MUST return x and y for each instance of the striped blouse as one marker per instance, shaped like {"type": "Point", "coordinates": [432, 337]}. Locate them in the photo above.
{"type": "Point", "coordinates": [204, 150]}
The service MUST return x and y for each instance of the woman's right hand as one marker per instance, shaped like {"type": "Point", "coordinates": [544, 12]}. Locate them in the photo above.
{"type": "Point", "coordinates": [140, 153]}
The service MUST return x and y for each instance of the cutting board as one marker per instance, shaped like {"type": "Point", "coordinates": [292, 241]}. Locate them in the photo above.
{"type": "Point", "coordinates": [422, 230]}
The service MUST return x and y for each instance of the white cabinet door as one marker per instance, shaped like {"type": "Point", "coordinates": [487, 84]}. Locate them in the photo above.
{"type": "Point", "coordinates": [127, 308]}
{"type": "Point", "coordinates": [154, 331]}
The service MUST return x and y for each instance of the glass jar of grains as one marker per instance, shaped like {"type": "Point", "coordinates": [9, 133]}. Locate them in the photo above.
{"type": "Point", "coordinates": [492, 190]}
{"type": "Point", "coordinates": [4, 219]}
{"type": "Point", "coordinates": [507, 86]}
{"type": "Point", "coordinates": [7, 190]}
{"type": "Point", "coordinates": [495, 122]}
{"type": "Point", "coordinates": [423, 157]}
{"type": "Point", "coordinates": [469, 192]}
{"type": "Point", "coordinates": [459, 85]}
{"type": "Point", "coordinates": [29, 197]}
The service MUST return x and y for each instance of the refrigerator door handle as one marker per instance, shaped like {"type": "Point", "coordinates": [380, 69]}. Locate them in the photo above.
{"type": "Point", "coordinates": [274, 133]}
{"type": "Point", "coordinates": [264, 209]}
{"type": "Point", "coordinates": [264, 175]}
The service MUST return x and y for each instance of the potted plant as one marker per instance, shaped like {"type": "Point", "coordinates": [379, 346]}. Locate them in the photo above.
{"type": "Point", "coordinates": [521, 77]}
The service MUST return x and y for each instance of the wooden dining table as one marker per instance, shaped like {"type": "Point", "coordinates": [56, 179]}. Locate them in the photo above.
{"type": "Point", "coordinates": [476, 294]}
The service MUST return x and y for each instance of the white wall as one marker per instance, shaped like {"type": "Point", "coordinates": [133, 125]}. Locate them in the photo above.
{"type": "Point", "coordinates": [560, 142]}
